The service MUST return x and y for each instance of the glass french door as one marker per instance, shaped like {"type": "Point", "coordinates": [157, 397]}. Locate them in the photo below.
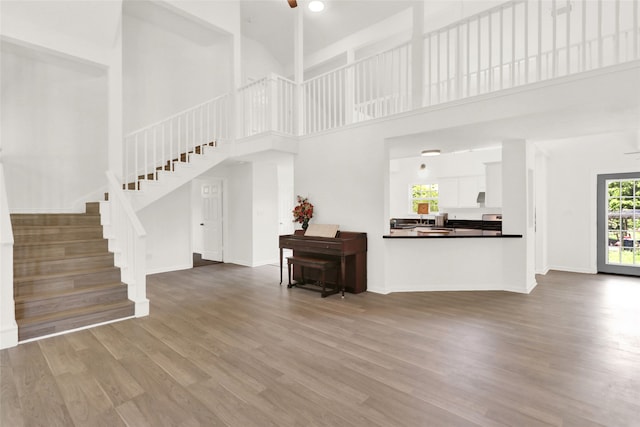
{"type": "Point", "coordinates": [619, 223]}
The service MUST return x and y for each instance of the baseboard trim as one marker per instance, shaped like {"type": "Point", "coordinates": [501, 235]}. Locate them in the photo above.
{"type": "Point", "coordinates": [9, 336]}
{"type": "Point", "coordinates": [572, 269]}
{"type": "Point", "coordinates": [241, 262]}
{"type": "Point", "coordinates": [141, 308]}
{"type": "Point", "coordinates": [452, 288]}
{"type": "Point", "coordinates": [169, 269]}
{"type": "Point", "coordinates": [275, 261]}
{"type": "Point", "coordinates": [543, 272]}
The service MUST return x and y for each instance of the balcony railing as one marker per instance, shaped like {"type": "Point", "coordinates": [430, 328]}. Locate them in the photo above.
{"type": "Point", "coordinates": [521, 42]}
{"type": "Point", "coordinates": [267, 104]}
{"type": "Point", "coordinates": [367, 89]}
{"type": "Point", "coordinates": [514, 44]}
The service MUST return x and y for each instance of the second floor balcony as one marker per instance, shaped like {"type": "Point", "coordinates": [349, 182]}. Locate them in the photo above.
{"type": "Point", "coordinates": [518, 43]}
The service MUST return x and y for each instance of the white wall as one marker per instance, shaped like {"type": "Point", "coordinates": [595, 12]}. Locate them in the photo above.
{"type": "Point", "coordinates": [82, 29]}
{"type": "Point", "coordinates": [573, 165]}
{"type": "Point", "coordinates": [167, 69]}
{"type": "Point", "coordinates": [54, 130]}
{"type": "Point", "coordinates": [265, 213]}
{"type": "Point", "coordinates": [168, 226]}
{"type": "Point", "coordinates": [222, 14]}
{"type": "Point", "coordinates": [257, 62]}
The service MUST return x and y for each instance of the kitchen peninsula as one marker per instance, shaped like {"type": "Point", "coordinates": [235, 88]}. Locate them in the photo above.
{"type": "Point", "coordinates": [460, 256]}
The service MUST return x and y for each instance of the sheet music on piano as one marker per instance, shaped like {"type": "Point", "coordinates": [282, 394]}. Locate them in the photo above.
{"type": "Point", "coordinates": [322, 230]}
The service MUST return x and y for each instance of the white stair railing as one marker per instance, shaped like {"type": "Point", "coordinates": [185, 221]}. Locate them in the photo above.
{"type": "Point", "coordinates": [526, 41]}
{"type": "Point", "coordinates": [127, 239]}
{"type": "Point", "coordinates": [8, 325]}
{"type": "Point", "coordinates": [161, 143]}
{"type": "Point", "coordinates": [370, 88]}
{"type": "Point", "coordinates": [267, 105]}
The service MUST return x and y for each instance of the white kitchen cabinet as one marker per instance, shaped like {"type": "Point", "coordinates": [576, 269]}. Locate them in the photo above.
{"type": "Point", "coordinates": [494, 185]}
{"type": "Point", "coordinates": [447, 192]}
{"type": "Point", "coordinates": [468, 189]}
{"type": "Point", "coordinates": [460, 192]}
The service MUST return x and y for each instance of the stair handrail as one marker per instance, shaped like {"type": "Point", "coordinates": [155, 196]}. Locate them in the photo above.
{"type": "Point", "coordinates": [154, 147]}
{"type": "Point", "coordinates": [8, 325]}
{"type": "Point", "coordinates": [129, 238]}
{"type": "Point", "coordinates": [179, 113]}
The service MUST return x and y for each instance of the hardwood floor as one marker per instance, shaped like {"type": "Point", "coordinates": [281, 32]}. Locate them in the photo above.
{"type": "Point", "coordinates": [226, 345]}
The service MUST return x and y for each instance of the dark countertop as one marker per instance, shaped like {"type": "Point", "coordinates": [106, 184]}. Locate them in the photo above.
{"type": "Point", "coordinates": [422, 232]}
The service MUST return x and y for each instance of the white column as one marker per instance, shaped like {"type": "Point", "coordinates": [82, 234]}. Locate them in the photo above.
{"type": "Point", "coordinates": [417, 55]}
{"type": "Point", "coordinates": [518, 211]}
{"type": "Point", "coordinates": [298, 68]}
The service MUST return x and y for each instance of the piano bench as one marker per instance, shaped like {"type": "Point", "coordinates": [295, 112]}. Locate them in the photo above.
{"type": "Point", "coordinates": [321, 265]}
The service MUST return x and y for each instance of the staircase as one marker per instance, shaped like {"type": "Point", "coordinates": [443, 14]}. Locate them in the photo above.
{"type": "Point", "coordinates": [64, 275]}
{"type": "Point", "coordinates": [174, 173]}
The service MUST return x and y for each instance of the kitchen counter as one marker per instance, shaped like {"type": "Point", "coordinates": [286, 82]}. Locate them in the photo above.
{"type": "Point", "coordinates": [446, 233]}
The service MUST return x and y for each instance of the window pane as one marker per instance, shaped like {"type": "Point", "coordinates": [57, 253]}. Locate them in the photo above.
{"type": "Point", "coordinates": [626, 188]}
{"type": "Point", "coordinates": [614, 189]}
{"type": "Point", "coordinates": [614, 255]}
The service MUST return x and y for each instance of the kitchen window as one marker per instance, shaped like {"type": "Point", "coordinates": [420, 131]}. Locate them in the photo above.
{"type": "Point", "coordinates": [423, 193]}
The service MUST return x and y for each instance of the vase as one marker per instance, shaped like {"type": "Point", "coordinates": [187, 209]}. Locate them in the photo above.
{"type": "Point", "coordinates": [305, 224]}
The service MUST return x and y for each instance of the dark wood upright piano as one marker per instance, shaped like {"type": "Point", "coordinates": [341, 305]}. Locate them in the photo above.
{"type": "Point", "coordinates": [349, 248]}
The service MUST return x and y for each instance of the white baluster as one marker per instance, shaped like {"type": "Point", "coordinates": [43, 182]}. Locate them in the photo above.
{"type": "Point", "coordinates": [539, 63]}
{"type": "Point", "coordinates": [513, 45]}
{"type": "Point", "coordinates": [526, 41]}
{"type": "Point", "coordinates": [616, 37]}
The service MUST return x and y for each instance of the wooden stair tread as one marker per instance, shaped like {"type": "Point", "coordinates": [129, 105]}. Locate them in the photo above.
{"type": "Point", "coordinates": [58, 242]}
{"type": "Point", "coordinates": [74, 312]}
{"type": "Point", "coordinates": [67, 257]}
{"type": "Point", "coordinates": [21, 227]}
{"type": "Point", "coordinates": [17, 280]}
{"type": "Point", "coordinates": [54, 215]}
{"type": "Point", "coordinates": [66, 292]}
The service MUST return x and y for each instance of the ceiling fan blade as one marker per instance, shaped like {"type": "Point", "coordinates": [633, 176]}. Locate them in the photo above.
{"type": "Point", "coordinates": [293, 3]}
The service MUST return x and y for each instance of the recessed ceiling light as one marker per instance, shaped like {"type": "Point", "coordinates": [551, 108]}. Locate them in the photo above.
{"type": "Point", "coordinates": [316, 6]}
{"type": "Point", "coordinates": [427, 153]}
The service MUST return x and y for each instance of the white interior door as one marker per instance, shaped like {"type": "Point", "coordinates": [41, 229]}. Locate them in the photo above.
{"type": "Point", "coordinates": [211, 223]}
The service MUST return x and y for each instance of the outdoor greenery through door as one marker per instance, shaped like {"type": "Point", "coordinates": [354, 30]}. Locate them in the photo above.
{"type": "Point", "coordinates": [619, 223]}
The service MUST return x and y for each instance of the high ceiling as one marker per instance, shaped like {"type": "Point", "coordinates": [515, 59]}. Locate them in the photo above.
{"type": "Point", "coordinates": [271, 22]}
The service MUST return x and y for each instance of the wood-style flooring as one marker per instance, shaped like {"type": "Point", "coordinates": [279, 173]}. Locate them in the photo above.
{"type": "Point", "coordinates": [226, 345]}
